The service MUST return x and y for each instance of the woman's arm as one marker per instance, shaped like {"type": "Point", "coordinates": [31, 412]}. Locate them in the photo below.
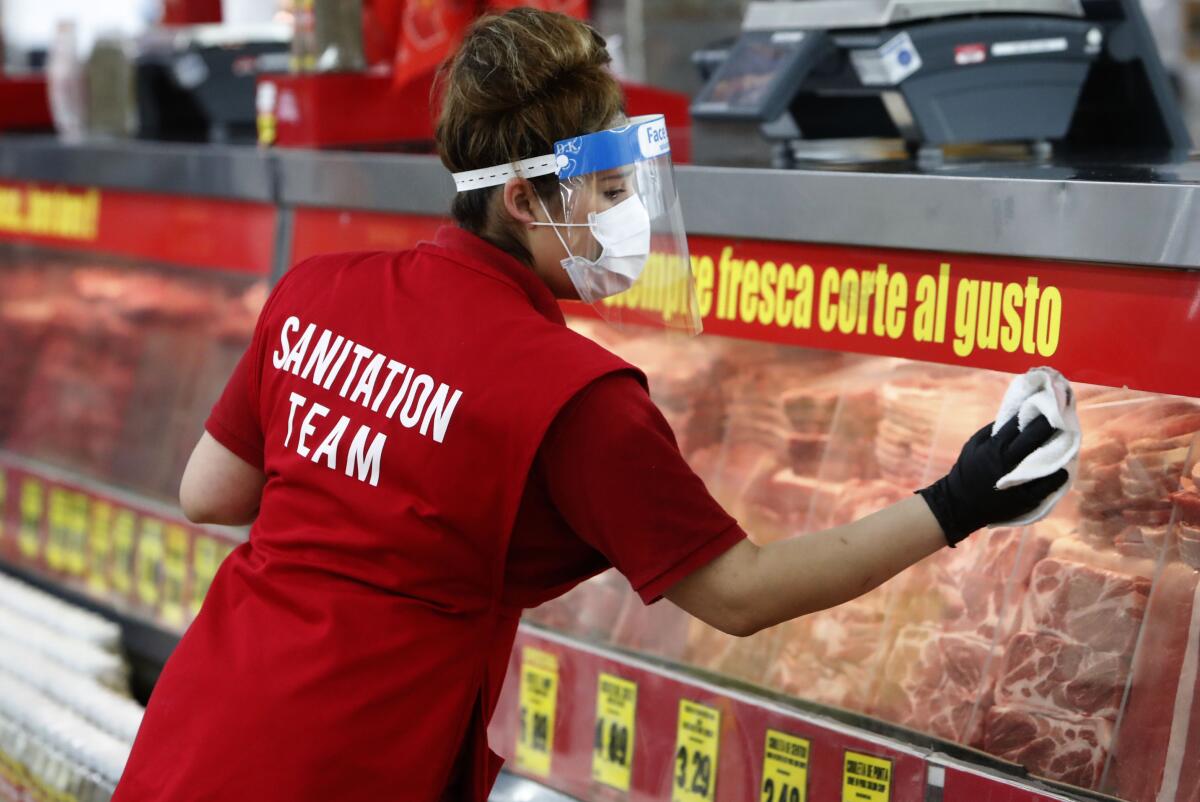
{"type": "Point", "coordinates": [750, 587]}
{"type": "Point", "coordinates": [219, 487]}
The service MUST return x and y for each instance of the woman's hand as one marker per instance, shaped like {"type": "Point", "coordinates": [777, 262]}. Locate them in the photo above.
{"type": "Point", "coordinates": [751, 587]}
{"type": "Point", "coordinates": [966, 499]}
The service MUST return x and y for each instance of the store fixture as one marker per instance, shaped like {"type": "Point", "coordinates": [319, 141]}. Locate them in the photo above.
{"type": "Point", "coordinates": [65, 727]}
{"type": "Point", "coordinates": [1076, 73]}
{"type": "Point", "coordinates": [198, 83]}
{"type": "Point", "coordinates": [23, 103]}
{"type": "Point", "coordinates": [1044, 663]}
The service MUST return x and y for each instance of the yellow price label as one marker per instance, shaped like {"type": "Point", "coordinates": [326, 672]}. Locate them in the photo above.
{"type": "Point", "coordinates": [3, 503]}
{"type": "Point", "coordinates": [266, 128]}
{"type": "Point", "coordinates": [616, 713]}
{"type": "Point", "coordinates": [76, 544]}
{"type": "Point", "coordinates": [33, 507]}
{"type": "Point", "coordinates": [697, 745]}
{"type": "Point", "coordinates": [100, 545]}
{"type": "Point", "coordinates": [538, 699]}
{"type": "Point", "coordinates": [149, 562]}
{"type": "Point", "coordinates": [124, 525]}
{"type": "Point", "coordinates": [785, 768]}
{"type": "Point", "coordinates": [205, 561]}
{"type": "Point", "coordinates": [58, 517]}
{"type": "Point", "coordinates": [175, 566]}
{"type": "Point", "coordinates": [866, 778]}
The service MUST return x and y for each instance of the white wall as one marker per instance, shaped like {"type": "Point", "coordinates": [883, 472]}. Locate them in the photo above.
{"type": "Point", "coordinates": [30, 24]}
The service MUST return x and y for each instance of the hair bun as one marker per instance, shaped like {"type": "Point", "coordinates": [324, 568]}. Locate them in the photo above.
{"type": "Point", "coordinates": [520, 82]}
{"type": "Point", "coordinates": [522, 57]}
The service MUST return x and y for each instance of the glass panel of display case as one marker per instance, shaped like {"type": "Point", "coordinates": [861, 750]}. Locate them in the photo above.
{"type": "Point", "coordinates": [110, 369]}
{"type": "Point", "coordinates": [1066, 646]}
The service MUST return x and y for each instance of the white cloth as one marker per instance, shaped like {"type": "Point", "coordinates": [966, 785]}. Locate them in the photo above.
{"type": "Point", "coordinates": [1042, 391]}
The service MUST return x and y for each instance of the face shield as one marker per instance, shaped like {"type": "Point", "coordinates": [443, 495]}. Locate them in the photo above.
{"type": "Point", "coordinates": [619, 222]}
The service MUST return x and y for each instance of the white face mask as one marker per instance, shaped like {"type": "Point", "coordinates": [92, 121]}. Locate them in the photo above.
{"type": "Point", "coordinates": [624, 236]}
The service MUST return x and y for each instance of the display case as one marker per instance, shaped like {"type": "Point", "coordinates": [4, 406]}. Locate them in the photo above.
{"type": "Point", "coordinates": [859, 327]}
{"type": "Point", "coordinates": [121, 318]}
{"type": "Point", "coordinates": [1067, 647]}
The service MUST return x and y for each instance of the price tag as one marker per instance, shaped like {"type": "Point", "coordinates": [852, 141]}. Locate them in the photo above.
{"type": "Point", "coordinates": [696, 752]}
{"type": "Point", "coordinates": [205, 561]}
{"type": "Point", "coordinates": [124, 524]}
{"type": "Point", "coordinates": [100, 545]}
{"type": "Point", "coordinates": [866, 778]}
{"type": "Point", "coordinates": [149, 562]}
{"type": "Point", "coordinates": [175, 566]}
{"type": "Point", "coordinates": [616, 712]}
{"type": "Point", "coordinates": [538, 698]}
{"type": "Point", "coordinates": [75, 546]}
{"type": "Point", "coordinates": [3, 504]}
{"type": "Point", "coordinates": [785, 768]}
{"type": "Point", "coordinates": [58, 516]}
{"type": "Point", "coordinates": [33, 507]}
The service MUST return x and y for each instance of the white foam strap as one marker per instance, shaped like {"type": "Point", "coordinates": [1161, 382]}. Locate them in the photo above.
{"type": "Point", "coordinates": [492, 176]}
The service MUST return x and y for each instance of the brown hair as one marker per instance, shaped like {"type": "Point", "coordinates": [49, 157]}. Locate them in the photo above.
{"type": "Point", "coordinates": [521, 81]}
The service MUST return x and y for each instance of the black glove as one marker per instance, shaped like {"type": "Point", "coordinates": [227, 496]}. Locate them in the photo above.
{"type": "Point", "coordinates": [966, 499]}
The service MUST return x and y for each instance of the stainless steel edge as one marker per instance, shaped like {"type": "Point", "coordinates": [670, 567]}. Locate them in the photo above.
{"type": "Point", "coordinates": [1050, 217]}
{"type": "Point", "coordinates": [378, 182]}
{"type": "Point", "coordinates": [238, 173]}
{"type": "Point", "coordinates": [513, 788]}
{"type": "Point", "coordinates": [1156, 225]}
{"type": "Point", "coordinates": [846, 14]}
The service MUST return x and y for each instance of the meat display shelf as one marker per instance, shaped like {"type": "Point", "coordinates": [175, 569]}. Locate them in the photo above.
{"type": "Point", "coordinates": [127, 557]}
{"type": "Point", "coordinates": [619, 726]}
{"type": "Point", "coordinates": [832, 379]}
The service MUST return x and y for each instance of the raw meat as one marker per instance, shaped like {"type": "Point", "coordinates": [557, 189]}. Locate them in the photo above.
{"type": "Point", "coordinates": [981, 584]}
{"type": "Point", "coordinates": [1154, 729]}
{"type": "Point", "coordinates": [1044, 671]}
{"type": "Point", "coordinates": [1131, 462]}
{"type": "Point", "coordinates": [938, 683]}
{"type": "Point", "coordinates": [834, 656]}
{"type": "Point", "coordinates": [746, 659]}
{"type": "Point", "coordinates": [852, 633]}
{"type": "Point", "coordinates": [1067, 748]}
{"type": "Point", "coordinates": [796, 671]}
{"type": "Point", "coordinates": [1189, 503]}
{"type": "Point", "coordinates": [858, 498]}
{"type": "Point", "coordinates": [1189, 544]}
{"type": "Point", "coordinates": [786, 498]}
{"type": "Point", "coordinates": [1094, 606]}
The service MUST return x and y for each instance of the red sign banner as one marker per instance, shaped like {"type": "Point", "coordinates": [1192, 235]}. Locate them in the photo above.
{"type": "Point", "coordinates": [173, 229]}
{"type": "Point", "coordinates": [1099, 324]}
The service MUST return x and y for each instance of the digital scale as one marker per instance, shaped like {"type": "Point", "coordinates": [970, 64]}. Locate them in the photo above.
{"type": "Point", "coordinates": [1073, 73]}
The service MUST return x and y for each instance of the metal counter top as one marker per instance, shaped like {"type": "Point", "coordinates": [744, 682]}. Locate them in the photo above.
{"type": "Point", "coordinates": [1134, 213]}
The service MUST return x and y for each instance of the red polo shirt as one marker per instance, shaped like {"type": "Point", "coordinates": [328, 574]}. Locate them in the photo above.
{"type": "Point", "coordinates": [609, 467]}
{"type": "Point", "coordinates": [607, 488]}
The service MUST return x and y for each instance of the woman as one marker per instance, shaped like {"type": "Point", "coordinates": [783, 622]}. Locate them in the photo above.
{"type": "Point", "coordinates": [424, 450]}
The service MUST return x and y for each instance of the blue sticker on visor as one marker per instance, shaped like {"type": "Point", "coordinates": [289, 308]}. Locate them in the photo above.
{"type": "Point", "coordinates": [643, 138]}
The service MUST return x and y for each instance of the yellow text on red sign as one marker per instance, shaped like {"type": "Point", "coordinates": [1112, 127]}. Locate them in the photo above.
{"type": "Point", "coordinates": [934, 306]}
{"type": "Point", "coordinates": [58, 213]}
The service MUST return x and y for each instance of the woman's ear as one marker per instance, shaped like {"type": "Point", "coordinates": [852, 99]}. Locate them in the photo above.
{"type": "Point", "coordinates": [519, 201]}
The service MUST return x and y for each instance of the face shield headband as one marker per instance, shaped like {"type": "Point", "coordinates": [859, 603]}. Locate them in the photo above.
{"type": "Point", "coordinates": [621, 228]}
